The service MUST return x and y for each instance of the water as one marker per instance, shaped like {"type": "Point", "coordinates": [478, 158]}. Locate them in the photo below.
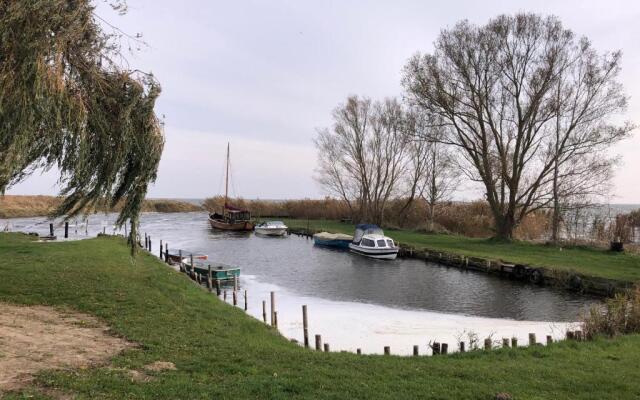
{"type": "Point", "coordinates": [355, 301]}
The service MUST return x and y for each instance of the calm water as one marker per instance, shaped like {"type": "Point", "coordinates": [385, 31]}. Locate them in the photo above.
{"type": "Point", "coordinates": [294, 264]}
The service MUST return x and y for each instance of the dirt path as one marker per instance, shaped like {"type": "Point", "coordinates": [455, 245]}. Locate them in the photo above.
{"type": "Point", "coordinates": [34, 338]}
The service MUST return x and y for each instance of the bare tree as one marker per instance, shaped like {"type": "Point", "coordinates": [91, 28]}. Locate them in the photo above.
{"type": "Point", "coordinates": [440, 179]}
{"type": "Point", "coordinates": [493, 92]}
{"type": "Point", "coordinates": [362, 159]}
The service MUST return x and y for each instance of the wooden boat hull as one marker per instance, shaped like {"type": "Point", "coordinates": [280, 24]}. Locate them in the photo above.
{"type": "Point", "coordinates": [242, 226]}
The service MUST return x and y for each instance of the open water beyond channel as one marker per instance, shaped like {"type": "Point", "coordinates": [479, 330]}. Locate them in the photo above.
{"type": "Point", "coordinates": [356, 302]}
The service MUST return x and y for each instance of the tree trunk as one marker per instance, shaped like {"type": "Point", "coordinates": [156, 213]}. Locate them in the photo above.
{"type": "Point", "coordinates": [505, 224]}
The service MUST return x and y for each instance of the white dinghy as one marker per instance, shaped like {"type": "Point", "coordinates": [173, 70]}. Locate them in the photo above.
{"type": "Point", "coordinates": [271, 228]}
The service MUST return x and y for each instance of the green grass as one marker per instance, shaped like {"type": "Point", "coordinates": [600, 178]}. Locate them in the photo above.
{"type": "Point", "coordinates": [586, 260]}
{"type": "Point", "coordinates": [220, 352]}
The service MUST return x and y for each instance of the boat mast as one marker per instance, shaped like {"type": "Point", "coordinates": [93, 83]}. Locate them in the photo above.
{"type": "Point", "coordinates": [226, 181]}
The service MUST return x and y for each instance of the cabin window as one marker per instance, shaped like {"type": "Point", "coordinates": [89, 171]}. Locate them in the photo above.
{"type": "Point", "coordinates": [390, 242]}
{"type": "Point", "coordinates": [381, 243]}
{"type": "Point", "coordinates": [368, 243]}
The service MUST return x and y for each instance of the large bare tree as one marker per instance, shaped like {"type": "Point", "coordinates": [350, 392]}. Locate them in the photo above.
{"type": "Point", "coordinates": [362, 158]}
{"type": "Point", "coordinates": [493, 90]}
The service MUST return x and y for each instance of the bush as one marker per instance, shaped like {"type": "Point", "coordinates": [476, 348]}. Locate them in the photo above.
{"type": "Point", "coordinates": [618, 316]}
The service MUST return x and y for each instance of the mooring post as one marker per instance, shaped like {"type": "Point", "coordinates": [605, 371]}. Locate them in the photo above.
{"type": "Point", "coordinates": [444, 348]}
{"type": "Point", "coordinates": [235, 298]}
{"type": "Point", "coordinates": [146, 241]}
{"type": "Point", "coordinates": [235, 282]}
{"type": "Point", "coordinates": [193, 268]}
{"type": "Point", "coordinates": [217, 287]}
{"type": "Point", "coordinates": [51, 229]}
{"type": "Point", "coordinates": [275, 319]}
{"type": "Point", "coordinates": [246, 307]}
{"type": "Point", "coordinates": [416, 349]}
{"type": "Point", "coordinates": [149, 244]}
{"type": "Point", "coordinates": [161, 249]}
{"type": "Point", "coordinates": [66, 229]}
{"type": "Point", "coordinates": [225, 296]}
{"type": "Point", "coordinates": [532, 339]}
{"type": "Point", "coordinates": [435, 348]}
{"type": "Point", "coordinates": [273, 308]}
{"type": "Point", "coordinates": [461, 345]}
{"type": "Point", "coordinates": [166, 252]}
{"type": "Point", "coordinates": [264, 311]}
{"type": "Point", "coordinates": [209, 281]}
{"type": "Point", "coordinates": [487, 344]}
{"type": "Point", "coordinates": [505, 342]}
{"type": "Point", "coordinates": [318, 342]}
{"type": "Point", "coordinates": [358, 351]}
{"type": "Point", "coordinates": [514, 342]}
{"type": "Point", "coordinates": [387, 350]}
{"type": "Point", "coordinates": [326, 348]}
{"type": "Point", "coordinates": [305, 326]}
{"type": "Point", "coordinates": [549, 340]}
{"type": "Point", "coordinates": [182, 269]}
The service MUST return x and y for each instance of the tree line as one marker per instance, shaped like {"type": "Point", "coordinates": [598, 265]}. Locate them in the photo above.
{"type": "Point", "coordinates": [521, 105]}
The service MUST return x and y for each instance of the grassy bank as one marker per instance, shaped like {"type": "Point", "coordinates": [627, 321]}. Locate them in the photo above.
{"type": "Point", "coordinates": [586, 260]}
{"type": "Point", "coordinates": [36, 206]}
{"type": "Point", "coordinates": [220, 352]}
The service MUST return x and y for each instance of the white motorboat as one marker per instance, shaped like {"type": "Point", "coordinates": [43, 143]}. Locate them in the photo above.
{"type": "Point", "coordinates": [271, 228]}
{"type": "Point", "coordinates": [370, 241]}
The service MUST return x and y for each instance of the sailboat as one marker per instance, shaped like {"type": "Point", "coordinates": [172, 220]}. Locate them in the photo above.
{"type": "Point", "coordinates": [232, 218]}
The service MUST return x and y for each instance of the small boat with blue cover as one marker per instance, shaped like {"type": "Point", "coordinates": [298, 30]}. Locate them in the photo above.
{"type": "Point", "coordinates": [333, 240]}
{"type": "Point", "coordinates": [219, 271]}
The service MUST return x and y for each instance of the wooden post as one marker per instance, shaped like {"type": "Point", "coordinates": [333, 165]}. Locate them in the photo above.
{"type": "Point", "coordinates": [235, 298]}
{"type": "Point", "coordinates": [358, 351]}
{"type": "Point", "coordinates": [532, 339]}
{"type": "Point", "coordinates": [487, 344]}
{"type": "Point", "coordinates": [514, 342]}
{"type": "Point", "coordinates": [549, 340]}
{"type": "Point", "coordinates": [182, 269]}
{"type": "Point", "coordinates": [435, 348]}
{"type": "Point", "coordinates": [326, 348]}
{"type": "Point", "coordinates": [505, 342]}
{"type": "Point", "coordinates": [264, 311]}
{"type": "Point", "coordinates": [462, 350]}
{"type": "Point", "coordinates": [444, 348]}
{"type": "Point", "coordinates": [387, 350]}
{"type": "Point", "coordinates": [318, 342]}
{"type": "Point", "coordinates": [225, 296]}
{"type": "Point", "coordinates": [149, 243]}
{"type": "Point", "coordinates": [50, 229]}
{"type": "Point", "coordinates": [161, 249]}
{"type": "Point", "coordinates": [273, 308]}
{"type": "Point", "coordinates": [235, 282]}
{"type": "Point", "coordinates": [275, 319]}
{"type": "Point", "coordinates": [193, 269]}
{"type": "Point", "coordinates": [217, 282]}
{"type": "Point", "coordinates": [305, 326]}
{"type": "Point", "coordinates": [246, 306]}
{"type": "Point", "coordinates": [66, 229]}
{"type": "Point", "coordinates": [416, 350]}
{"type": "Point", "coordinates": [209, 280]}
{"type": "Point", "coordinates": [166, 252]}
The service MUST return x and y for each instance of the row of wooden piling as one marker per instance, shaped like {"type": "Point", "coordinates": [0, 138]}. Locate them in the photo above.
{"type": "Point", "coordinates": [437, 348]}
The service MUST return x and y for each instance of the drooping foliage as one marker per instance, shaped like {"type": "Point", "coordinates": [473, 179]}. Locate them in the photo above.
{"type": "Point", "coordinates": [66, 101]}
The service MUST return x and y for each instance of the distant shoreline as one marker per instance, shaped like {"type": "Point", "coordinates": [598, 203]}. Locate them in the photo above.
{"type": "Point", "coordinates": [19, 206]}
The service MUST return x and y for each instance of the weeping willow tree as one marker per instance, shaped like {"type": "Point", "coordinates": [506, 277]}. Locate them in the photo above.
{"type": "Point", "coordinates": [67, 102]}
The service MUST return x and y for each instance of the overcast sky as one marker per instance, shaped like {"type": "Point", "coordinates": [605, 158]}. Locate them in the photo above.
{"type": "Point", "coordinates": [264, 75]}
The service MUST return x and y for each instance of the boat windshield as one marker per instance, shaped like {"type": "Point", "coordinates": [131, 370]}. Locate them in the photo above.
{"type": "Point", "coordinates": [368, 242]}
{"type": "Point", "coordinates": [366, 229]}
{"type": "Point", "coordinates": [382, 243]}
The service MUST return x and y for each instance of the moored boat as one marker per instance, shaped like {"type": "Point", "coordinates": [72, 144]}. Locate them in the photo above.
{"type": "Point", "coordinates": [271, 228]}
{"type": "Point", "coordinates": [219, 271]}
{"type": "Point", "coordinates": [369, 240]}
{"type": "Point", "coordinates": [232, 218]}
{"type": "Point", "coordinates": [333, 240]}
{"type": "Point", "coordinates": [174, 257]}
